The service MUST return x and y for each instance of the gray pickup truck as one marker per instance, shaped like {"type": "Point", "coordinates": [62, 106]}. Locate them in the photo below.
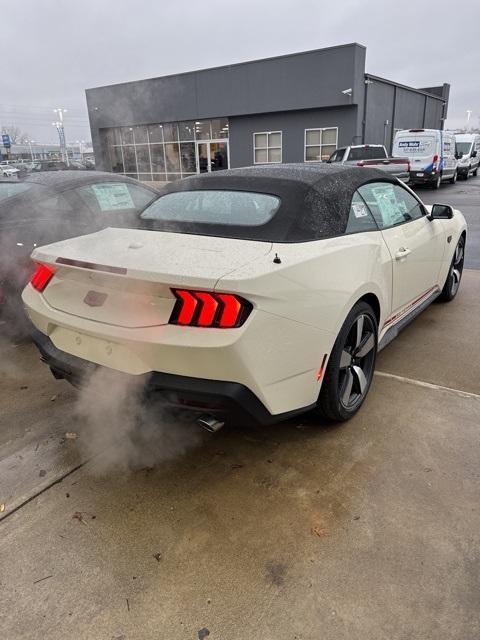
{"type": "Point", "coordinates": [372, 155]}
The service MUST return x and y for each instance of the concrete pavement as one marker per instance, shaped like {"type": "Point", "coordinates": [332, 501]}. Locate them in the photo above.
{"type": "Point", "coordinates": [298, 531]}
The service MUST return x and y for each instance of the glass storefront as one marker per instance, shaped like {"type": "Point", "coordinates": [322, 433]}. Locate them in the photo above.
{"type": "Point", "coordinates": [168, 151]}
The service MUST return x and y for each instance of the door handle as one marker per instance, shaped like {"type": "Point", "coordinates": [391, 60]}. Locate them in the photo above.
{"type": "Point", "coordinates": [402, 253]}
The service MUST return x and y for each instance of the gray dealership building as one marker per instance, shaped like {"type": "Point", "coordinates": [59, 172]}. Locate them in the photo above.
{"type": "Point", "coordinates": [292, 108]}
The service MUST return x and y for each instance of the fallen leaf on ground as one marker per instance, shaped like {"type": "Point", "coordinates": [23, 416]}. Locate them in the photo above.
{"type": "Point", "coordinates": [78, 515]}
{"type": "Point", "coordinates": [2, 508]}
{"type": "Point", "coordinates": [319, 531]}
{"type": "Point", "coordinates": [53, 398]}
{"type": "Point", "coordinates": [157, 556]}
{"type": "Point", "coordinates": [71, 435]}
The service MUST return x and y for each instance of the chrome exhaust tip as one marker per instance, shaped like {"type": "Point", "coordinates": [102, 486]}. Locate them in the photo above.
{"type": "Point", "coordinates": [209, 423]}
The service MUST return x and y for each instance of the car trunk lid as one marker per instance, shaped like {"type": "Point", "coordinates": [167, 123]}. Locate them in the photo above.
{"type": "Point", "coordinates": [124, 277]}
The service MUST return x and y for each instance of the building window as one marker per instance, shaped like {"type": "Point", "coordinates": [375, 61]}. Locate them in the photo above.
{"type": "Point", "coordinates": [320, 144]}
{"type": "Point", "coordinates": [168, 151]}
{"type": "Point", "coordinates": [267, 147]}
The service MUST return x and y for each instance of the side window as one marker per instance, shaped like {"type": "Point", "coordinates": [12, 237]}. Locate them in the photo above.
{"type": "Point", "coordinates": [54, 204]}
{"type": "Point", "coordinates": [390, 204]}
{"type": "Point", "coordinates": [360, 217]}
{"type": "Point", "coordinates": [109, 197]}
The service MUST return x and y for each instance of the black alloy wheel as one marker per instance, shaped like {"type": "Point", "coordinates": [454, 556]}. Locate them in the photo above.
{"type": "Point", "coordinates": [452, 283]}
{"type": "Point", "coordinates": [350, 368]}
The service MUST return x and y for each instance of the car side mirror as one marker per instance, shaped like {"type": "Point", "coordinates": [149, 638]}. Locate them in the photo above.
{"type": "Point", "coordinates": [474, 154]}
{"type": "Point", "coordinates": [458, 155]}
{"type": "Point", "coordinates": [441, 212]}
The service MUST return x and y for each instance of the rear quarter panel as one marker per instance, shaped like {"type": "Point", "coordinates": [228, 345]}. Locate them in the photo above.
{"type": "Point", "coordinates": [317, 283]}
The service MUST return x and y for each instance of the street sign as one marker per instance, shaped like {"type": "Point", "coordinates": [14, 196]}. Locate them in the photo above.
{"type": "Point", "coordinates": [6, 140]}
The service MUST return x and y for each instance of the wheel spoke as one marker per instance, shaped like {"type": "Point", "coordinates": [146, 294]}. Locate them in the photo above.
{"type": "Point", "coordinates": [362, 381]}
{"type": "Point", "coordinates": [359, 330]}
{"type": "Point", "coordinates": [458, 255]}
{"type": "Point", "coordinates": [456, 276]}
{"type": "Point", "coordinates": [366, 345]}
{"type": "Point", "coordinates": [347, 387]}
{"type": "Point", "coordinates": [345, 359]}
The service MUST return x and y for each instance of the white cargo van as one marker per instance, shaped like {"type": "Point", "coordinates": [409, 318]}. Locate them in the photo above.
{"type": "Point", "coordinates": [431, 153]}
{"type": "Point", "coordinates": [468, 153]}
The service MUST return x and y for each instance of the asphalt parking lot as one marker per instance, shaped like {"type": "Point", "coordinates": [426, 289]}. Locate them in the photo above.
{"type": "Point", "coordinates": [300, 531]}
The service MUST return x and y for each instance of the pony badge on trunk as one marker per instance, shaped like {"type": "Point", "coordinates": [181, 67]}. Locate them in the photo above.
{"type": "Point", "coordinates": [95, 298]}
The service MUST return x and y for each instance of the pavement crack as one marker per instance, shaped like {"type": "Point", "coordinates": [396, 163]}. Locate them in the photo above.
{"type": "Point", "coordinates": [43, 490]}
{"type": "Point", "coordinates": [428, 385]}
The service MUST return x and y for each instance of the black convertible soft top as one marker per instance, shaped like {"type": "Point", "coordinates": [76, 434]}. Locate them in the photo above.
{"type": "Point", "coordinates": [315, 200]}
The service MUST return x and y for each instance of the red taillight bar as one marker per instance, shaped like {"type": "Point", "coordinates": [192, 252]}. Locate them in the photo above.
{"type": "Point", "coordinates": [42, 277]}
{"type": "Point", "coordinates": [209, 309]}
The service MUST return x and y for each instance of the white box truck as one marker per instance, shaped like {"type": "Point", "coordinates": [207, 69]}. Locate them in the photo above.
{"type": "Point", "coordinates": [431, 153]}
{"type": "Point", "coordinates": [468, 154]}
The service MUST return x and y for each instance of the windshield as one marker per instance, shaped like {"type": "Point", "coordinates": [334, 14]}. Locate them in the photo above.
{"type": "Point", "coordinates": [464, 148]}
{"type": "Point", "coordinates": [239, 208]}
{"type": "Point", "coordinates": [366, 153]}
{"type": "Point", "coordinates": [337, 156]}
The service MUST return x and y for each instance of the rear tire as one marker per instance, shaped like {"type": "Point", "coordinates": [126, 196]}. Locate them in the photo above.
{"type": "Point", "coordinates": [437, 182]}
{"type": "Point", "coordinates": [454, 277]}
{"type": "Point", "coordinates": [467, 174]}
{"type": "Point", "coordinates": [453, 179]}
{"type": "Point", "coordinates": [475, 172]}
{"type": "Point", "coordinates": [351, 365]}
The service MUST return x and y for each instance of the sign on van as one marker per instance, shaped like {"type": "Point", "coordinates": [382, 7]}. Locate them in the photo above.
{"type": "Point", "coordinates": [410, 144]}
{"type": "Point", "coordinates": [415, 146]}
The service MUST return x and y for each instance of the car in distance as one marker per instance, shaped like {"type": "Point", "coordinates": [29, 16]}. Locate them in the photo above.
{"type": "Point", "coordinates": [372, 156]}
{"type": "Point", "coordinates": [8, 171]}
{"type": "Point", "coordinates": [46, 207]}
{"type": "Point", "coordinates": [431, 153]}
{"type": "Point", "coordinates": [257, 293]}
{"type": "Point", "coordinates": [468, 154]}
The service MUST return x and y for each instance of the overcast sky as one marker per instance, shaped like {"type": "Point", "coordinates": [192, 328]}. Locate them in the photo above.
{"type": "Point", "coordinates": [54, 50]}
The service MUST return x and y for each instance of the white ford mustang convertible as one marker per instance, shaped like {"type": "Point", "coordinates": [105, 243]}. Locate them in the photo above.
{"type": "Point", "coordinates": [256, 293]}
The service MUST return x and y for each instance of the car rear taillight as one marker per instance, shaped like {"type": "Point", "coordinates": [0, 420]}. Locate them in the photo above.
{"type": "Point", "coordinates": [209, 309]}
{"type": "Point", "coordinates": [42, 277]}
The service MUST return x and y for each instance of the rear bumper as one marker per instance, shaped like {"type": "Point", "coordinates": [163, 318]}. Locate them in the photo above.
{"type": "Point", "coordinates": [230, 399]}
{"type": "Point", "coordinates": [426, 178]}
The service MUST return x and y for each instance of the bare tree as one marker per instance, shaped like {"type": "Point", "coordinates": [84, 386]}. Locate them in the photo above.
{"type": "Point", "coordinates": [17, 136]}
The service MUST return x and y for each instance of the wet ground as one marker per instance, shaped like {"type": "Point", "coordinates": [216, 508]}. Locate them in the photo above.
{"type": "Point", "coordinates": [300, 531]}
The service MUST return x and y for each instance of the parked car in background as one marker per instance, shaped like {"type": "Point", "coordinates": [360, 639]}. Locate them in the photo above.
{"type": "Point", "coordinates": [468, 153]}
{"type": "Point", "coordinates": [373, 156]}
{"type": "Point", "coordinates": [8, 171]}
{"type": "Point", "coordinates": [260, 292]}
{"type": "Point", "coordinates": [431, 153]}
{"type": "Point", "coordinates": [46, 207]}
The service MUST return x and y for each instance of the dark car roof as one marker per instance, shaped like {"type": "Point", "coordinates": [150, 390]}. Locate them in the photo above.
{"type": "Point", "coordinates": [61, 180]}
{"type": "Point", "coordinates": [308, 174]}
{"type": "Point", "coordinates": [315, 199]}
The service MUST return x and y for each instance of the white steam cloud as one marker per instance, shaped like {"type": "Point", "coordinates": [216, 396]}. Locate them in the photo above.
{"type": "Point", "coordinates": [129, 432]}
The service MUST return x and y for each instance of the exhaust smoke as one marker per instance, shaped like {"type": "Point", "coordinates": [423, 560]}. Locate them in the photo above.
{"type": "Point", "coordinates": [129, 431]}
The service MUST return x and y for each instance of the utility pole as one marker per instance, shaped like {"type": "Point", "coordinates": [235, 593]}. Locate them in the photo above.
{"type": "Point", "coordinates": [469, 113]}
{"type": "Point", "coordinates": [61, 134]}
{"type": "Point", "coordinates": [30, 142]}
